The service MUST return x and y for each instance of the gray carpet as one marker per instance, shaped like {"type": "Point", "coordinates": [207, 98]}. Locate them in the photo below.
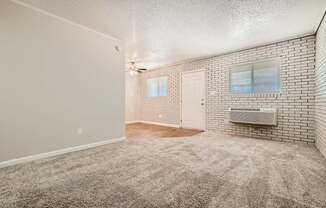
{"type": "Point", "coordinates": [207, 170]}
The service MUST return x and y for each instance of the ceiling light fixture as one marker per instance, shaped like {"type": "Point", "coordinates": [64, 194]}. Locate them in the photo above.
{"type": "Point", "coordinates": [133, 70]}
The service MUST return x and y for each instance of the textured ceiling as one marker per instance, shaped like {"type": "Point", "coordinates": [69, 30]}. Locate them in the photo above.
{"type": "Point", "coordinates": [163, 32]}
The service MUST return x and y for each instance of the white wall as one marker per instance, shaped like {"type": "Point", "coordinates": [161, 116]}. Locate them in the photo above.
{"type": "Point", "coordinates": [321, 88]}
{"type": "Point", "coordinates": [132, 97]}
{"type": "Point", "coordinates": [161, 109]}
{"type": "Point", "coordinates": [55, 78]}
{"type": "Point", "coordinates": [295, 102]}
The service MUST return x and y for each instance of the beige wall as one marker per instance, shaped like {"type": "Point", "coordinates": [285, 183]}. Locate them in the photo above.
{"type": "Point", "coordinates": [295, 103]}
{"type": "Point", "coordinates": [161, 109]}
{"type": "Point", "coordinates": [321, 88]}
{"type": "Point", "coordinates": [55, 78]}
{"type": "Point", "coordinates": [132, 97]}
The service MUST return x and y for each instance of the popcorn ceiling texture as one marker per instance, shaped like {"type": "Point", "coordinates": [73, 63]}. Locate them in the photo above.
{"type": "Point", "coordinates": [321, 88]}
{"type": "Point", "coordinates": [162, 32]}
{"type": "Point", "coordinates": [295, 103]}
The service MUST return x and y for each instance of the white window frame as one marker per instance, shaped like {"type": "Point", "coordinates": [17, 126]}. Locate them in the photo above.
{"type": "Point", "coordinates": [276, 61]}
{"type": "Point", "coordinates": [166, 78]}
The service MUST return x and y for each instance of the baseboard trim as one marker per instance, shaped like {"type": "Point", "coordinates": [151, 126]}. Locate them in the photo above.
{"type": "Point", "coordinates": [131, 122]}
{"type": "Point", "coordinates": [159, 123]}
{"type": "Point", "coordinates": [58, 152]}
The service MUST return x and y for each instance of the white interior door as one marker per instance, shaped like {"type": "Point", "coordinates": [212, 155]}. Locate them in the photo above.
{"type": "Point", "coordinates": [193, 95]}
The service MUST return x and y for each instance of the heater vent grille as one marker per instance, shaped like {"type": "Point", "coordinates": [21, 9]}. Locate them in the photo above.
{"type": "Point", "coordinates": [258, 116]}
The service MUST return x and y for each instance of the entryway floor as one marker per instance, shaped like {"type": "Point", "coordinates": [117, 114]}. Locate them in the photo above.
{"type": "Point", "coordinates": [141, 130]}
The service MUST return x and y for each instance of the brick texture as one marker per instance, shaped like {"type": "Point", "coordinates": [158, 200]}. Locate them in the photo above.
{"type": "Point", "coordinates": [161, 109]}
{"type": "Point", "coordinates": [295, 103]}
{"type": "Point", "coordinates": [321, 88]}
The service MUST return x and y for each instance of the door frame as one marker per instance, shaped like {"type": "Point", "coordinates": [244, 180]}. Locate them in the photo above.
{"type": "Point", "coordinates": [180, 100]}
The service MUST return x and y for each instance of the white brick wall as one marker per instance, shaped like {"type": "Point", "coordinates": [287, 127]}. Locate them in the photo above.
{"type": "Point", "coordinates": [161, 109]}
{"type": "Point", "coordinates": [321, 88]}
{"type": "Point", "coordinates": [295, 103]}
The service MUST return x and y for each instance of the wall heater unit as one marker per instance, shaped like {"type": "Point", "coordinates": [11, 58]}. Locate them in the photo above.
{"type": "Point", "coordinates": [257, 116]}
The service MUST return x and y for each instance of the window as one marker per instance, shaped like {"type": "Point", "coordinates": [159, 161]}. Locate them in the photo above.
{"type": "Point", "coordinates": [241, 79]}
{"type": "Point", "coordinates": [261, 77]}
{"type": "Point", "coordinates": [157, 87]}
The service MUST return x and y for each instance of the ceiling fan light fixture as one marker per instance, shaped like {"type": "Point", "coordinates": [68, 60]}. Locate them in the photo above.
{"type": "Point", "coordinates": [133, 70]}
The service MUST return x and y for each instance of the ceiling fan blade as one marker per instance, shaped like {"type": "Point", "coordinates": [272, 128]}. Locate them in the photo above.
{"type": "Point", "coordinates": [142, 69]}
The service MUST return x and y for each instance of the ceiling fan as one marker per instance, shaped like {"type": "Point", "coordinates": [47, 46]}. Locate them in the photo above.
{"type": "Point", "coordinates": [133, 69]}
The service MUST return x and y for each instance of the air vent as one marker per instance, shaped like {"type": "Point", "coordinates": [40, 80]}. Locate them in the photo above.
{"type": "Point", "coordinates": [256, 116]}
